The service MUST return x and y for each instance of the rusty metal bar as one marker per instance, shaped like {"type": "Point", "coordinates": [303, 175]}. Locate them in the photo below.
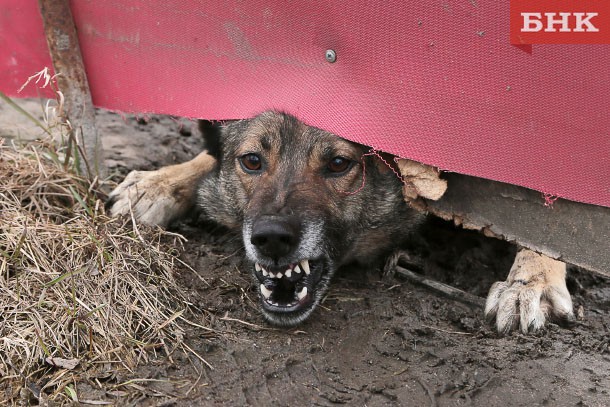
{"type": "Point", "coordinates": [72, 82]}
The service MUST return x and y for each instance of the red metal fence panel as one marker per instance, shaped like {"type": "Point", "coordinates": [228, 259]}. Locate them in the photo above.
{"type": "Point", "coordinates": [436, 82]}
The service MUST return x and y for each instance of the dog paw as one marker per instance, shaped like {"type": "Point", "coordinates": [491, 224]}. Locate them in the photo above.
{"type": "Point", "coordinates": [534, 292]}
{"type": "Point", "coordinates": [146, 195]}
{"type": "Point", "coordinates": [161, 196]}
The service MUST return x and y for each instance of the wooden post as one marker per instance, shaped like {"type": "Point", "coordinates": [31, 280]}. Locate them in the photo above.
{"type": "Point", "coordinates": [72, 82]}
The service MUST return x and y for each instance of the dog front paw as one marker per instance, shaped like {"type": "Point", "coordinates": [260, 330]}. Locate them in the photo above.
{"type": "Point", "coordinates": [148, 196]}
{"type": "Point", "coordinates": [161, 196]}
{"type": "Point", "coordinates": [534, 292]}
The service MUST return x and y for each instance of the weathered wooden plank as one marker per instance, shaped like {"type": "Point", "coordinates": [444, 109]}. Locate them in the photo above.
{"type": "Point", "coordinates": [569, 231]}
{"type": "Point", "coordinates": [65, 52]}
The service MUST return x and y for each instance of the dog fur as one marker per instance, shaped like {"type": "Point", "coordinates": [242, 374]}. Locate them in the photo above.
{"type": "Point", "coordinates": [307, 203]}
{"type": "Point", "coordinates": [316, 204]}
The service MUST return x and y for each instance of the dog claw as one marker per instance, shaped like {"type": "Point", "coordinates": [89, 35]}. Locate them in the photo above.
{"type": "Point", "coordinates": [534, 292]}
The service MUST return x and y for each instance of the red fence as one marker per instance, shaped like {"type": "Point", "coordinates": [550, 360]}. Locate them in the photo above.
{"type": "Point", "coordinates": [437, 82]}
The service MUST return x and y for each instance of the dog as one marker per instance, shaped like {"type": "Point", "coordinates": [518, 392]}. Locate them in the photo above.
{"type": "Point", "coordinates": [305, 201]}
{"type": "Point", "coordinates": [308, 203]}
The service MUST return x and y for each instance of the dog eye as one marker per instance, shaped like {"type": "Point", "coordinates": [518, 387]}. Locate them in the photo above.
{"type": "Point", "coordinates": [339, 164]}
{"type": "Point", "coordinates": [251, 162]}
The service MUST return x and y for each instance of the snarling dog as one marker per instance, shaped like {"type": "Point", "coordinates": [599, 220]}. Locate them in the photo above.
{"type": "Point", "coordinates": [306, 202]}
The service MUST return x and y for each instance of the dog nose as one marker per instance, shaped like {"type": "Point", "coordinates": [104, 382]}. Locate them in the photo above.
{"type": "Point", "coordinates": [274, 238]}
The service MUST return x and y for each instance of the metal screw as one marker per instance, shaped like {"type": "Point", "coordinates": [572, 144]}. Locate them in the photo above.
{"type": "Point", "coordinates": [331, 55]}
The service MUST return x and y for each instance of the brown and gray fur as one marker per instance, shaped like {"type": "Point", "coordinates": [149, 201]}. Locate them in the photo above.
{"type": "Point", "coordinates": [354, 218]}
{"type": "Point", "coordinates": [316, 203]}
{"type": "Point", "coordinates": [296, 212]}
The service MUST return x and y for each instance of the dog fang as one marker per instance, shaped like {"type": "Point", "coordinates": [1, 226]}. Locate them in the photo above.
{"type": "Point", "coordinates": [305, 266]}
{"type": "Point", "coordinates": [301, 294]}
{"type": "Point", "coordinates": [266, 292]}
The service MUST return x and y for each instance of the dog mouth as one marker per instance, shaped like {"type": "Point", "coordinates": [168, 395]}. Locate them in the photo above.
{"type": "Point", "coordinates": [288, 289]}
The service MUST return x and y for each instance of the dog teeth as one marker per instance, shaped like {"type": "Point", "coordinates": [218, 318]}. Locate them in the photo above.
{"type": "Point", "coordinates": [266, 292]}
{"type": "Point", "coordinates": [260, 268]}
{"type": "Point", "coordinates": [301, 294]}
{"type": "Point", "coordinates": [305, 266]}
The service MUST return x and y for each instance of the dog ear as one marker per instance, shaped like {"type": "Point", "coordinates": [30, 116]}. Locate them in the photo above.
{"type": "Point", "coordinates": [211, 137]}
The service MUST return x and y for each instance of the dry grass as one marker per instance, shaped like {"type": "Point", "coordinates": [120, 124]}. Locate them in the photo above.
{"type": "Point", "coordinates": [78, 291]}
{"type": "Point", "coordinates": [75, 285]}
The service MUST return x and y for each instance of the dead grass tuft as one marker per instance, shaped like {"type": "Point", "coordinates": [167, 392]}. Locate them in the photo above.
{"type": "Point", "coordinates": [78, 291]}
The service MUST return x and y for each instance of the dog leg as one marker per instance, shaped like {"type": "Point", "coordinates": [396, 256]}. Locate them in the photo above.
{"type": "Point", "coordinates": [161, 196]}
{"type": "Point", "coordinates": [534, 291]}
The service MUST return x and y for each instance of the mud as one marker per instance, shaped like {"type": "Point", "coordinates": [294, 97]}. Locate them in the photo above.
{"type": "Point", "coordinates": [374, 341]}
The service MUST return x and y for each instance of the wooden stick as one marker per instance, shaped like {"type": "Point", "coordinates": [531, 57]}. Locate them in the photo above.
{"type": "Point", "coordinates": [444, 289]}
{"type": "Point", "coordinates": [64, 49]}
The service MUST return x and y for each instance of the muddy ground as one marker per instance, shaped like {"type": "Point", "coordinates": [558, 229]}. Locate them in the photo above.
{"type": "Point", "coordinates": [373, 341]}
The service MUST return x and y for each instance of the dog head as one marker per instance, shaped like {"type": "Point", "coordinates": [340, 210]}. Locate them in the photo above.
{"type": "Point", "coordinates": [304, 205]}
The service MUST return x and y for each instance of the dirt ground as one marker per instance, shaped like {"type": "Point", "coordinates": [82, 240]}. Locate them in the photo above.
{"type": "Point", "coordinates": [373, 341]}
